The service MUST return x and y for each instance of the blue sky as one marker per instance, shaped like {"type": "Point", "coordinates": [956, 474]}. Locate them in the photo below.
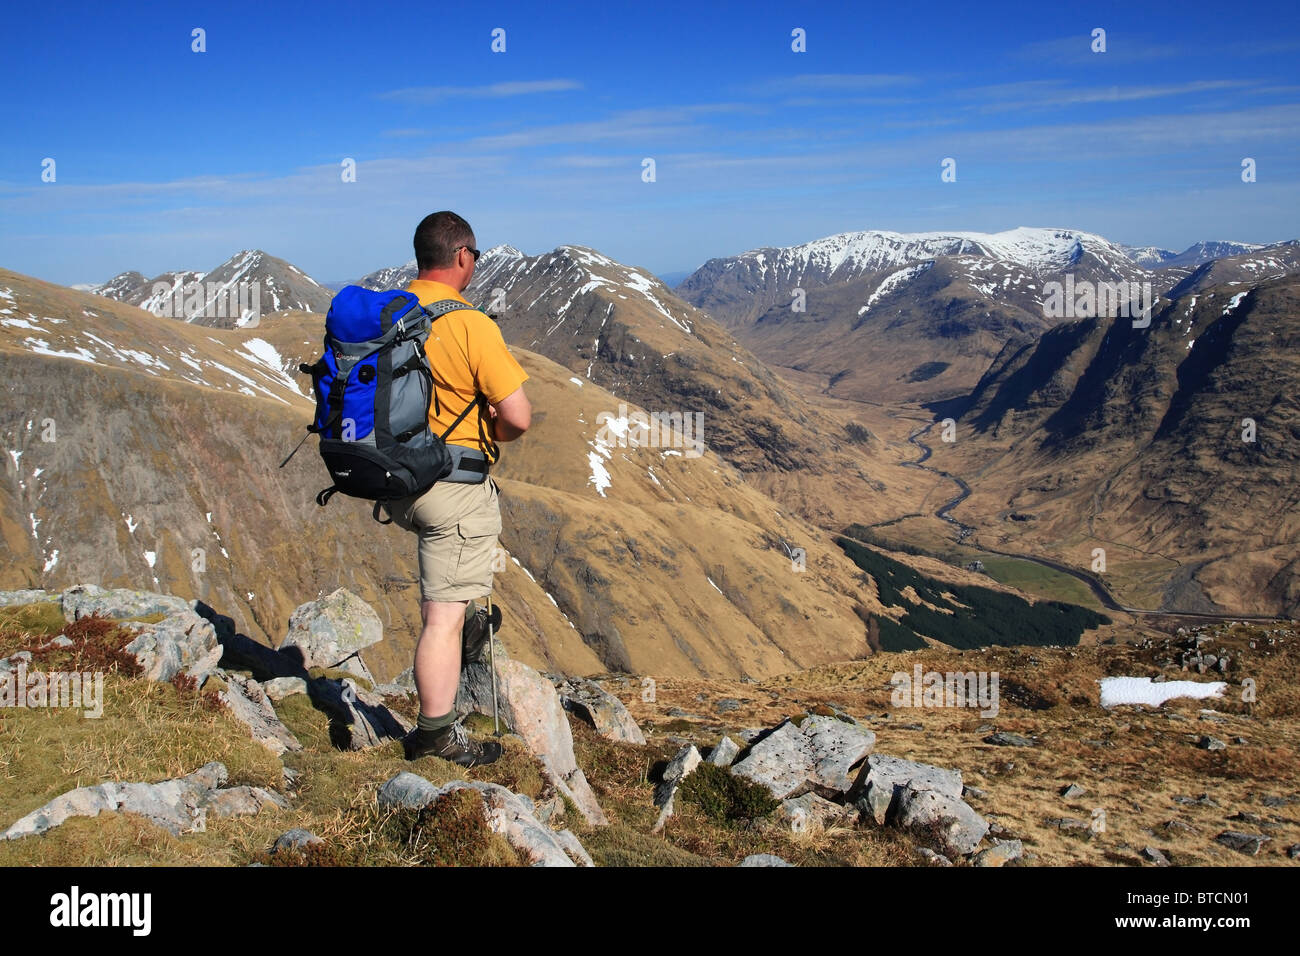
{"type": "Point", "coordinates": [171, 159]}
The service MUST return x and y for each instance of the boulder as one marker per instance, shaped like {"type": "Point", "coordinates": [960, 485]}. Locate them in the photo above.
{"type": "Point", "coordinates": [243, 801]}
{"type": "Point", "coordinates": [1247, 843]}
{"type": "Point", "coordinates": [724, 754]}
{"type": "Point", "coordinates": [180, 643]}
{"type": "Point", "coordinates": [1000, 853]}
{"type": "Point", "coordinates": [810, 813]}
{"type": "Point", "coordinates": [507, 813]}
{"type": "Point", "coordinates": [295, 839]}
{"type": "Point", "coordinates": [176, 805]}
{"type": "Point", "coordinates": [961, 828]}
{"type": "Point", "coordinates": [882, 779]}
{"type": "Point", "coordinates": [407, 790]}
{"type": "Point", "coordinates": [531, 707]}
{"type": "Point", "coordinates": [248, 704]}
{"type": "Point", "coordinates": [598, 707]}
{"type": "Point", "coordinates": [27, 596]}
{"type": "Point", "coordinates": [1005, 738]}
{"type": "Point", "coordinates": [1154, 855]}
{"type": "Point", "coordinates": [678, 769]}
{"type": "Point", "coordinates": [931, 857]}
{"type": "Point", "coordinates": [278, 688]}
{"type": "Point", "coordinates": [819, 755]}
{"type": "Point", "coordinates": [332, 631]}
{"type": "Point", "coordinates": [359, 717]}
{"type": "Point", "coordinates": [83, 600]}
{"type": "Point", "coordinates": [763, 859]}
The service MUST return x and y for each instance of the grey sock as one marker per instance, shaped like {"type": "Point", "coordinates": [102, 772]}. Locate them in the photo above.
{"type": "Point", "coordinates": [436, 723]}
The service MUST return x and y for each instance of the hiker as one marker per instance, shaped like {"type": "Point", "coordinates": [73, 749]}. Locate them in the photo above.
{"type": "Point", "coordinates": [458, 518]}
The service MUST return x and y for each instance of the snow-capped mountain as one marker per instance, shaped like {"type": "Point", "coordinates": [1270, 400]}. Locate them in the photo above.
{"type": "Point", "coordinates": [1246, 268]}
{"type": "Point", "coordinates": [738, 289]}
{"type": "Point", "coordinates": [396, 277]}
{"type": "Point", "coordinates": [249, 282]}
{"type": "Point", "coordinates": [1200, 253]}
{"type": "Point", "coordinates": [1149, 257]}
{"type": "Point", "coordinates": [393, 277]}
{"type": "Point", "coordinates": [119, 287]}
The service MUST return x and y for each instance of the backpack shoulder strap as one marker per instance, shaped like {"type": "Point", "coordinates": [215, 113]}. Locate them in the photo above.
{"type": "Point", "coordinates": [443, 306]}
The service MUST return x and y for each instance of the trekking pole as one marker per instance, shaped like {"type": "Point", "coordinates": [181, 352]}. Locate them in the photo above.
{"type": "Point", "coordinates": [492, 658]}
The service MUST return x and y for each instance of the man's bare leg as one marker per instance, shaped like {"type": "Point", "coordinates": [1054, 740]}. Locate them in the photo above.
{"type": "Point", "coordinates": [437, 656]}
{"type": "Point", "coordinates": [437, 678]}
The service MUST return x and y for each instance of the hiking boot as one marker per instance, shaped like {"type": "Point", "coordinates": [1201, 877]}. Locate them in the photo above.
{"type": "Point", "coordinates": [474, 635]}
{"type": "Point", "coordinates": [451, 743]}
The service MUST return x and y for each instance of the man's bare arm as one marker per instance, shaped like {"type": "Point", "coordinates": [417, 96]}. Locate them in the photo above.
{"type": "Point", "coordinates": [511, 416]}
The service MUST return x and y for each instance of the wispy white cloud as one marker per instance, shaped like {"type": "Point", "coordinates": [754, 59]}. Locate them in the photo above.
{"type": "Point", "coordinates": [433, 94]}
{"type": "Point", "coordinates": [830, 82]}
{"type": "Point", "coordinates": [648, 126]}
{"type": "Point", "coordinates": [1121, 47]}
{"type": "Point", "coordinates": [1052, 94]}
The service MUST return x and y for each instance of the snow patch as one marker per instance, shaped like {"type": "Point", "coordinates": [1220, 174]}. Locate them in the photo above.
{"type": "Point", "coordinates": [1141, 690]}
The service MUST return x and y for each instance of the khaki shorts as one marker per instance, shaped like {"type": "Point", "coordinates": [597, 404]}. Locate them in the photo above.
{"type": "Point", "coordinates": [458, 526]}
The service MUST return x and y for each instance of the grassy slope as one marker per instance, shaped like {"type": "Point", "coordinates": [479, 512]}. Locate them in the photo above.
{"type": "Point", "coordinates": [1139, 761]}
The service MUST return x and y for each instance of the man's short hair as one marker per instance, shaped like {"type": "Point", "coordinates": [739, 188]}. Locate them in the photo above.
{"type": "Point", "coordinates": [436, 239]}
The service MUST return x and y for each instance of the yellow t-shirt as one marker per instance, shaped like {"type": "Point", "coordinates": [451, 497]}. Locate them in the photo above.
{"type": "Point", "coordinates": [468, 355]}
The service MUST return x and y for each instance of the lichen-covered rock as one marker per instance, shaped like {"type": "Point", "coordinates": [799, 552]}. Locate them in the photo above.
{"type": "Point", "coordinates": [83, 600]}
{"type": "Point", "coordinates": [507, 813]}
{"type": "Point", "coordinates": [882, 778]}
{"type": "Point", "coordinates": [818, 755]}
{"type": "Point", "coordinates": [360, 718]}
{"type": "Point", "coordinates": [407, 790]}
{"type": "Point", "coordinates": [177, 805]}
{"type": "Point", "coordinates": [962, 828]}
{"type": "Point", "coordinates": [332, 631]}
{"type": "Point", "coordinates": [243, 801]}
{"type": "Point", "coordinates": [180, 643]}
{"type": "Point", "coordinates": [278, 688]}
{"type": "Point", "coordinates": [27, 596]}
{"type": "Point", "coordinates": [605, 712]}
{"type": "Point", "coordinates": [248, 704]}
{"type": "Point", "coordinates": [530, 705]}
{"type": "Point", "coordinates": [724, 754]}
{"type": "Point", "coordinates": [679, 768]}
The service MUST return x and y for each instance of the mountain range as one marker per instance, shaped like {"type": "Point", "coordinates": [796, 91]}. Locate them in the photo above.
{"type": "Point", "coordinates": [249, 283]}
{"type": "Point", "coordinates": [1074, 434]}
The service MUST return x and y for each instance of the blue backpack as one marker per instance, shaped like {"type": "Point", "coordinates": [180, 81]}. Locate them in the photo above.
{"type": "Point", "coordinates": [373, 388]}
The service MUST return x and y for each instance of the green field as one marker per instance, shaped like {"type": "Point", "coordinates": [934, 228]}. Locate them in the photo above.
{"type": "Point", "coordinates": [1039, 581]}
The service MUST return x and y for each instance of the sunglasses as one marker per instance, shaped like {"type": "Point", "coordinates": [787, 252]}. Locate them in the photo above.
{"type": "Point", "coordinates": [472, 251]}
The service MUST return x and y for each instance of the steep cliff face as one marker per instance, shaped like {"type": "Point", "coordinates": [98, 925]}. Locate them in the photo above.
{"type": "Point", "coordinates": [1180, 440]}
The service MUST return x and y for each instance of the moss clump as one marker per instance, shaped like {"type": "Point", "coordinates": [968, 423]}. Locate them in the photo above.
{"type": "Point", "coordinates": [34, 620]}
{"type": "Point", "coordinates": [310, 854]}
{"type": "Point", "coordinates": [724, 797]}
{"type": "Point", "coordinates": [451, 831]}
